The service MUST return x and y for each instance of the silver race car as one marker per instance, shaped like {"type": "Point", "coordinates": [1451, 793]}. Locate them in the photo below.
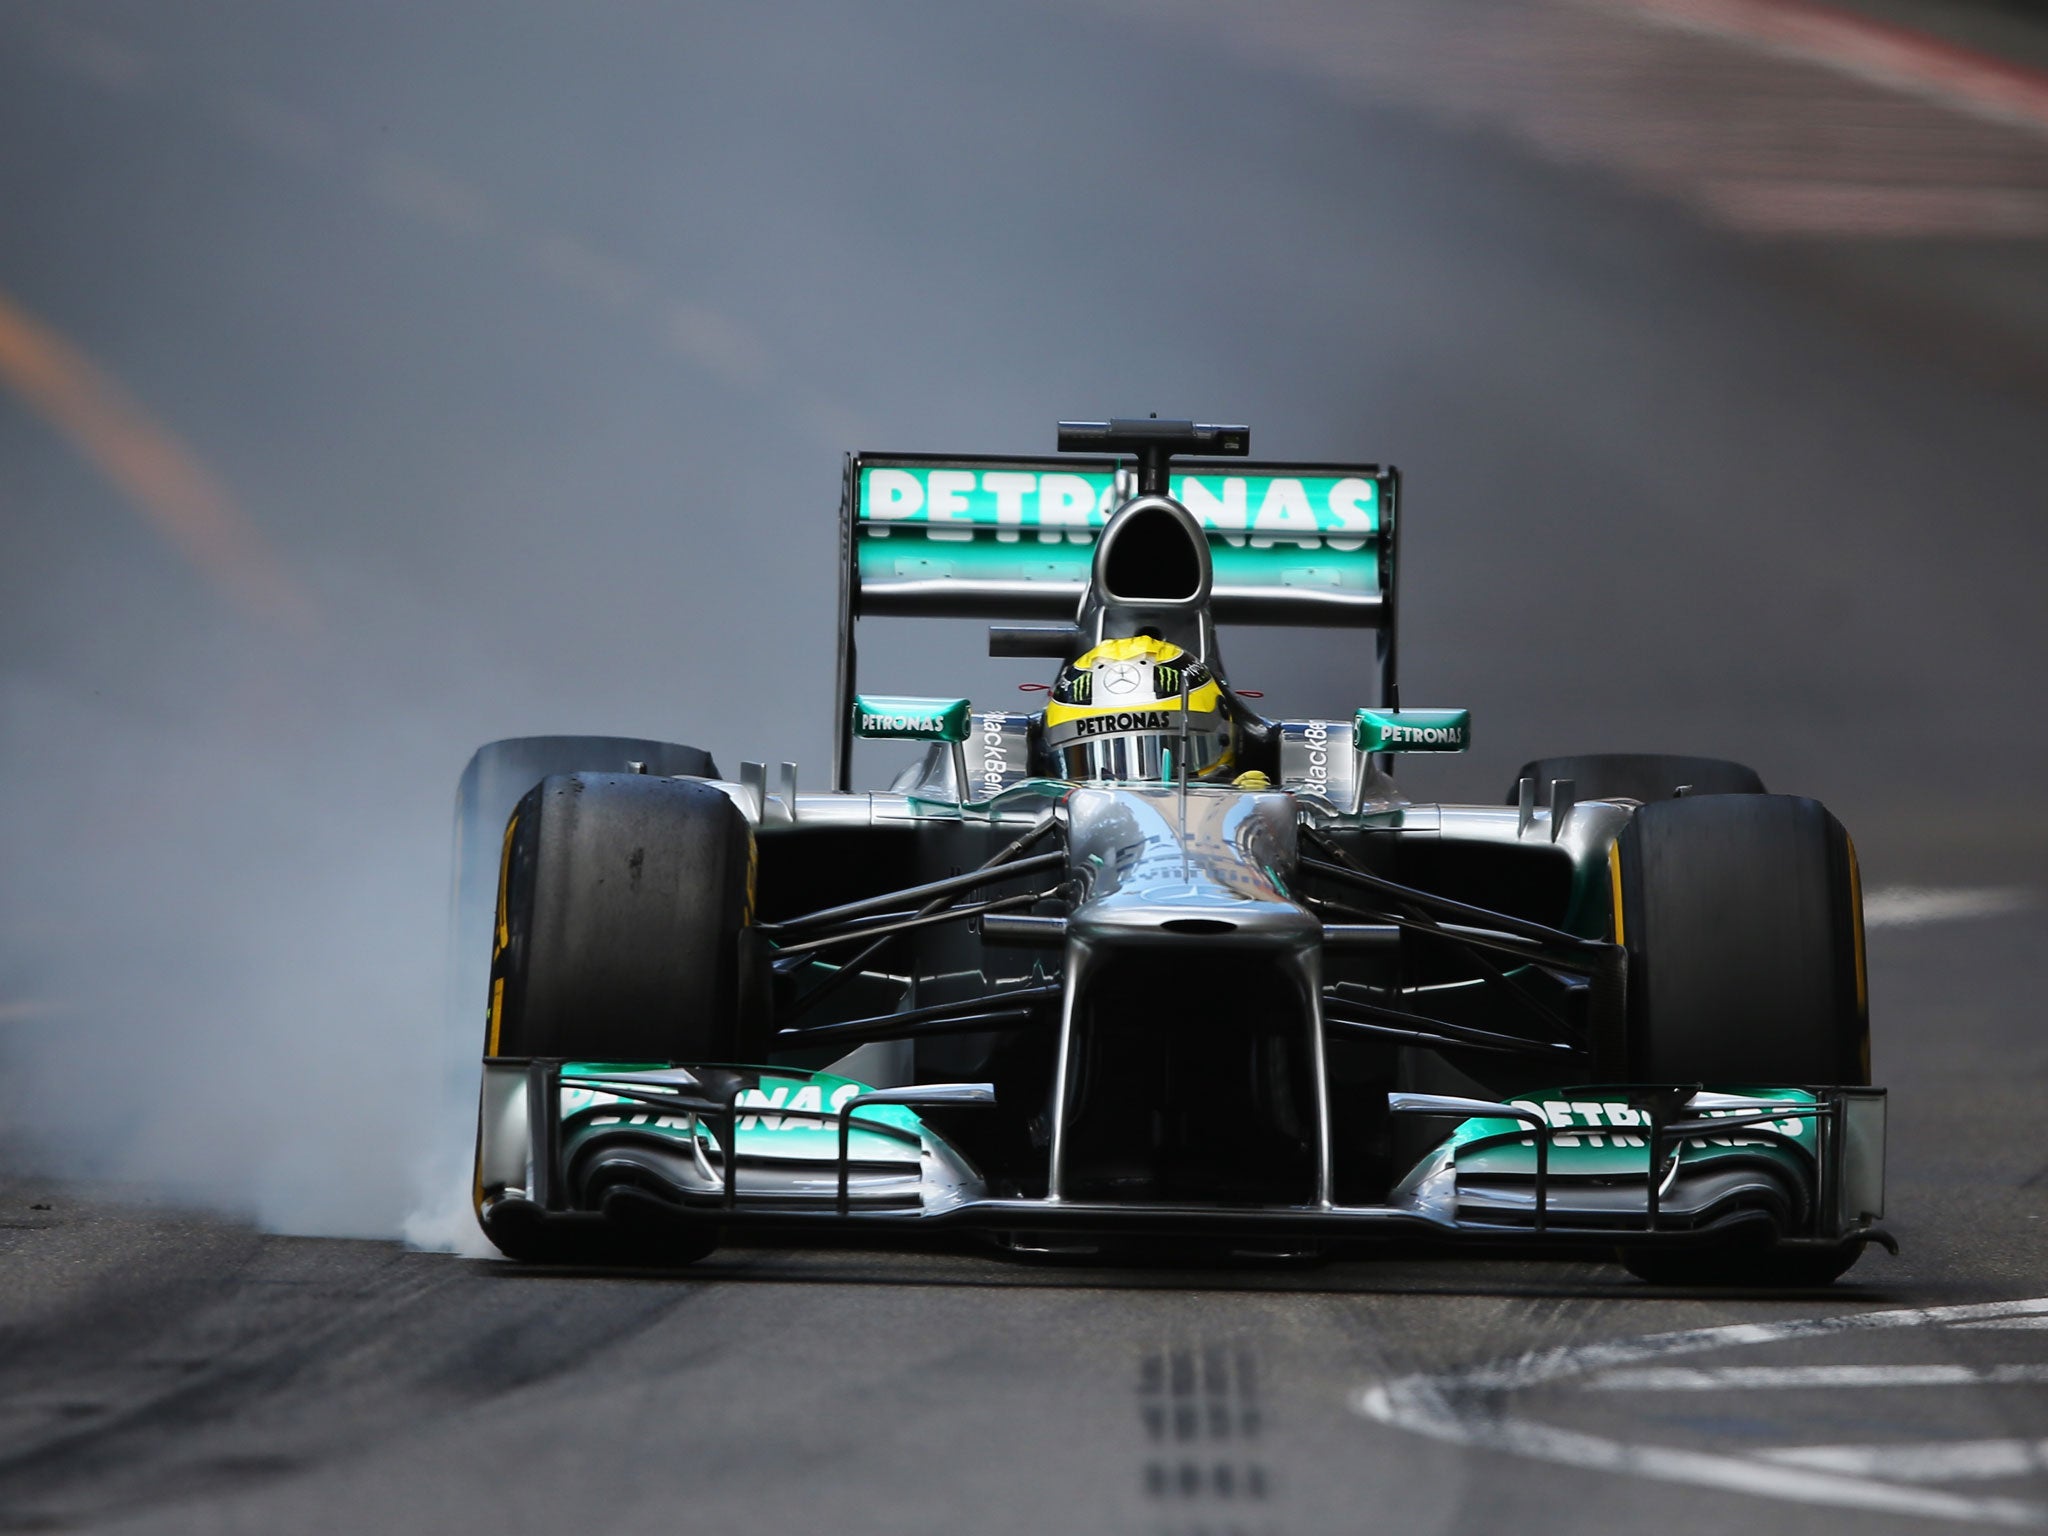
{"type": "Point", "coordinates": [1145, 968]}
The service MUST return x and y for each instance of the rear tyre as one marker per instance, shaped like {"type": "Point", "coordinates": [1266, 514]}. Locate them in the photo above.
{"type": "Point", "coordinates": [1743, 925]}
{"type": "Point", "coordinates": [1644, 776]}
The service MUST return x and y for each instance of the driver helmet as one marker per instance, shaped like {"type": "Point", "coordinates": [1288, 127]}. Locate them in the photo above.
{"type": "Point", "coordinates": [1115, 714]}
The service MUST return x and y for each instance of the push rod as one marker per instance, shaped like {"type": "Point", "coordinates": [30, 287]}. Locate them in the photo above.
{"type": "Point", "coordinates": [1429, 901]}
{"type": "Point", "coordinates": [1456, 1034]}
{"type": "Point", "coordinates": [930, 1013]}
{"type": "Point", "coordinates": [826, 916]}
{"type": "Point", "coordinates": [893, 1027]}
{"type": "Point", "coordinates": [913, 920]}
{"type": "Point", "coordinates": [1424, 1037]}
{"type": "Point", "coordinates": [1474, 947]}
{"type": "Point", "coordinates": [861, 961]}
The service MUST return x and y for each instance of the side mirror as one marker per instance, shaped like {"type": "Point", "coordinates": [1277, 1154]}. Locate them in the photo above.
{"type": "Point", "coordinates": [890, 719]}
{"type": "Point", "coordinates": [899, 719]}
{"type": "Point", "coordinates": [1412, 730]}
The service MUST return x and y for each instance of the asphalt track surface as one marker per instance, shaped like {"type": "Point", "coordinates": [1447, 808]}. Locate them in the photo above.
{"type": "Point", "coordinates": [447, 376]}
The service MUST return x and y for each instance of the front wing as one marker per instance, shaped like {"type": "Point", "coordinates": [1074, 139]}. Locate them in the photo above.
{"type": "Point", "coordinates": [568, 1145]}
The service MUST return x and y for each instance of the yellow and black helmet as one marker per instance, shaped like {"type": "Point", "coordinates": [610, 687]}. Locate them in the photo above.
{"type": "Point", "coordinates": [1115, 714]}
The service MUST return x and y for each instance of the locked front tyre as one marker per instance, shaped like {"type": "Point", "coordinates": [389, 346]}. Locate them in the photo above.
{"type": "Point", "coordinates": [623, 904]}
{"type": "Point", "coordinates": [1742, 918]}
{"type": "Point", "coordinates": [497, 777]}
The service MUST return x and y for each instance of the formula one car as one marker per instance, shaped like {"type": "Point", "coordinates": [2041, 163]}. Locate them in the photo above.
{"type": "Point", "coordinates": [1146, 968]}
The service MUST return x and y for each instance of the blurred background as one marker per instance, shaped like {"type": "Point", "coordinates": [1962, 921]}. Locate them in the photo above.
{"type": "Point", "coordinates": [380, 379]}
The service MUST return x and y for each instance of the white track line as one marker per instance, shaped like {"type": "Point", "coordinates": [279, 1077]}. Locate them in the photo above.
{"type": "Point", "coordinates": [1579, 1360]}
{"type": "Point", "coordinates": [1749, 1378]}
{"type": "Point", "coordinates": [1935, 1462]}
{"type": "Point", "coordinates": [1464, 1407]}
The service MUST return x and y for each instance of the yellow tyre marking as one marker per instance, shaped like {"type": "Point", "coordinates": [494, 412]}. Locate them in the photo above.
{"type": "Point", "coordinates": [500, 938]}
{"type": "Point", "coordinates": [504, 935]}
{"type": "Point", "coordinates": [497, 1009]}
{"type": "Point", "coordinates": [1614, 875]}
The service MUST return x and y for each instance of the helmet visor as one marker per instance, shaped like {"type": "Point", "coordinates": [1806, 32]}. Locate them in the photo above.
{"type": "Point", "coordinates": [1151, 757]}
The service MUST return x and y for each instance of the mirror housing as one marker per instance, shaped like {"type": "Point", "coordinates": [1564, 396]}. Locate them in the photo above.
{"type": "Point", "coordinates": [1412, 730]}
{"type": "Point", "coordinates": [902, 719]}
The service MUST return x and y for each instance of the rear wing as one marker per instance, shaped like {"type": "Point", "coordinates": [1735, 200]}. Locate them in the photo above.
{"type": "Point", "coordinates": [953, 536]}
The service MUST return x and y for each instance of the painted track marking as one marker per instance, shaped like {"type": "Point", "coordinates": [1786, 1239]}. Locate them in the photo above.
{"type": "Point", "coordinates": [1203, 1420]}
{"type": "Point", "coordinates": [1936, 1462]}
{"type": "Point", "coordinates": [1465, 1407]}
{"type": "Point", "coordinates": [1751, 1378]}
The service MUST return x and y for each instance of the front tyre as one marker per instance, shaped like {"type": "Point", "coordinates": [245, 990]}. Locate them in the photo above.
{"type": "Point", "coordinates": [1743, 922]}
{"type": "Point", "coordinates": [1742, 918]}
{"type": "Point", "coordinates": [498, 775]}
{"type": "Point", "coordinates": [622, 900]}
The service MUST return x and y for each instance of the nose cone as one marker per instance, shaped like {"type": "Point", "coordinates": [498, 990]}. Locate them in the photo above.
{"type": "Point", "coordinates": [1156, 866]}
